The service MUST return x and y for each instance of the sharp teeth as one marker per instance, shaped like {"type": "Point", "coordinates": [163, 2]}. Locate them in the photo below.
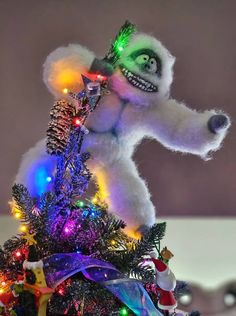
{"type": "Point", "coordinates": [138, 82]}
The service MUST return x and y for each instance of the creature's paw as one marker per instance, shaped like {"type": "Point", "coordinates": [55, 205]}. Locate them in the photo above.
{"type": "Point", "coordinates": [64, 66]}
{"type": "Point", "coordinates": [218, 123]}
{"type": "Point", "coordinates": [216, 128]}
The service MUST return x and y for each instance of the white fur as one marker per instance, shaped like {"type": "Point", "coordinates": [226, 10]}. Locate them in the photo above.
{"type": "Point", "coordinates": [117, 127]}
{"type": "Point", "coordinates": [64, 66]}
{"type": "Point", "coordinates": [32, 265]}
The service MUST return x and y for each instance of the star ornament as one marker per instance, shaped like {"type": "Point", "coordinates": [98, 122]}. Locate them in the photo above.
{"type": "Point", "coordinates": [93, 90]}
{"type": "Point", "coordinates": [29, 238]}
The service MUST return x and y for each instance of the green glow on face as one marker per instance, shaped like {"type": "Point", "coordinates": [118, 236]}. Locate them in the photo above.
{"type": "Point", "coordinates": [123, 311]}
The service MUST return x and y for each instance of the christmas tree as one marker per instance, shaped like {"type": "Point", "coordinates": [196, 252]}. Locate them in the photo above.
{"type": "Point", "coordinates": [72, 257]}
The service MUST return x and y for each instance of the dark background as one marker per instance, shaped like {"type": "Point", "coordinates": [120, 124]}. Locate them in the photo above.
{"type": "Point", "coordinates": [200, 33]}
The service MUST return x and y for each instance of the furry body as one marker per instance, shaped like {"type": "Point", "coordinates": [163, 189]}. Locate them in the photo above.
{"type": "Point", "coordinates": [137, 107]}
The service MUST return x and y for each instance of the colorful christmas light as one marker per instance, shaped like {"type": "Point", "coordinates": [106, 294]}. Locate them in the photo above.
{"type": "Point", "coordinates": [124, 311]}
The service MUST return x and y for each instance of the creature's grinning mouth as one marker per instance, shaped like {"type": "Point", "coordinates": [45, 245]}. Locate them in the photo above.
{"type": "Point", "coordinates": [137, 81]}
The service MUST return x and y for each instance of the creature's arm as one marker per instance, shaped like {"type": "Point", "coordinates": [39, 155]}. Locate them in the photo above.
{"type": "Point", "coordinates": [179, 128]}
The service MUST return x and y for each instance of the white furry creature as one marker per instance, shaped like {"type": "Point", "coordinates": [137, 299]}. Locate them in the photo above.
{"type": "Point", "coordinates": [138, 106]}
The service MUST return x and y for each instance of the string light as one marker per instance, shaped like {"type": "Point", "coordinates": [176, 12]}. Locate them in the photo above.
{"type": "Point", "coordinates": [49, 179]}
{"type": "Point", "coordinates": [120, 48]}
{"type": "Point", "coordinates": [80, 203]}
{"type": "Point", "coordinates": [67, 230]}
{"type": "Point", "coordinates": [23, 228]}
{"type": "Point", "coordinates": [65, 90]}
{"type": "Point", "coordinates": [15, 210]}
{"type": "Point", "coordinates": [113, 242]}
{"type": "Point", "coordinates": [1, 290]}
{"type": "Point", "coordinates": [101, 78]}
{"type": "Point", "coordinates": [61, 291]}
{"type": "Point", "coordinates": [123, 311]}
{"type": "Point", "coordinates": [76, 121]}
{"type": "Point", "coordinates": [94, 200]}
{"type": "Point", "coordinates": [17, 215]}
{"type": "Point", "coordinates": [18, 254]}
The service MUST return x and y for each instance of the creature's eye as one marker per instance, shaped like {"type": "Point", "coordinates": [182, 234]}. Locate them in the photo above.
{"type": "Point", "coordinates": [152, 65]}
{"type": "Point", "coordinates": [142, 59]}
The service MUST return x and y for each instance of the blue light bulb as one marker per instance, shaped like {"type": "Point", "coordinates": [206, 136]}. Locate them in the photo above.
{"type": "Point", "coordinates": [49, 179]}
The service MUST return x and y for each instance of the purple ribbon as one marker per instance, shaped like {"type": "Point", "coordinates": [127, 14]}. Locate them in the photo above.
{"type": "Point", "coordinates": [59, 267]}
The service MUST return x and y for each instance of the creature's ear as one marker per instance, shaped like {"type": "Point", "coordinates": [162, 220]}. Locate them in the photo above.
{"type": "Point", "coordinates": [64, 66]}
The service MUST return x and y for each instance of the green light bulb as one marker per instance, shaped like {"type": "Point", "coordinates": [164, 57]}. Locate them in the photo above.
{"type": "Point", "coordinates": [120, 48]}
{"type": "Point", "coordinates": [123, 311]}
{"type": "Point", "coordinates": [80, 203]}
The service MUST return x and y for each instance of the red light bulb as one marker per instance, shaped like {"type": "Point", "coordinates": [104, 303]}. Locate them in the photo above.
{"type": "Point", "coordinates": [18, 254]}
{"type": "Point", "coordinates": [76, 121]}
{"type": "Point", "coordinates": [101, 78]}
{"type": "Point", "coordinates": [61, 291]}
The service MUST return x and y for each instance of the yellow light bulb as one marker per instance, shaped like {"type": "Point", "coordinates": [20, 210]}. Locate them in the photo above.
{"type": "Point", "coordinates": [17, 215]}
{"type": "Point", "coordinates": [23, 228]}
{"type": "Point", "coordinates": [94, 200]}
{"type": "Point", "coordinates": [65, 91]}
{"type": "Point", "coordinates": [1, 290]}
{"type": "Point", "coordinates": [113, 242]}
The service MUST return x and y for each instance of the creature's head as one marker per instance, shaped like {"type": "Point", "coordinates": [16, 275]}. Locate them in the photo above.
{"type": "Point", "coordinates": [144, 70]}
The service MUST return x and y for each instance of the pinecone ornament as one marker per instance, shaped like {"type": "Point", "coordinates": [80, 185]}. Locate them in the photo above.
{"type": "Point", "coordinates": [58, 133]}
